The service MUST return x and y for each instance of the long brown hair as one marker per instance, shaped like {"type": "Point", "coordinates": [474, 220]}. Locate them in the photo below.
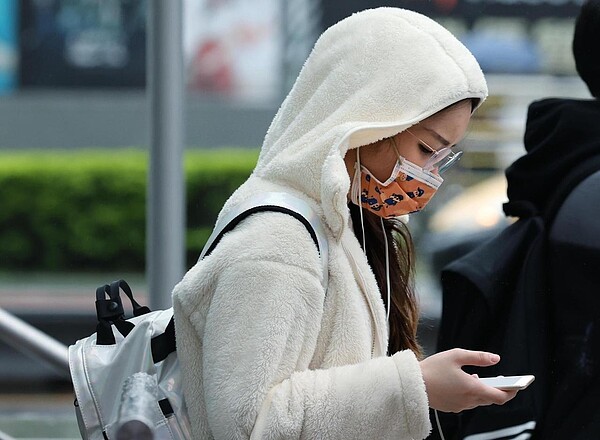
{"type": "Point", "coordinates": [404, 312]}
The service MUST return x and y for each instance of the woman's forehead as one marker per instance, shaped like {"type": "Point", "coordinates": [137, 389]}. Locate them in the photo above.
{"type": "Point", "coordinates": [447, 127]}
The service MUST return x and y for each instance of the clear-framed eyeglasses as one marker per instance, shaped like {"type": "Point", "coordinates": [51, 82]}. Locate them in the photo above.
{"type": "Point", "coordinates": [441, 159]}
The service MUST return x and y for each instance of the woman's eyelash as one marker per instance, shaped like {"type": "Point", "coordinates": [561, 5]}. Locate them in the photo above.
{"type": "Point", "coordinates": [424, 149]}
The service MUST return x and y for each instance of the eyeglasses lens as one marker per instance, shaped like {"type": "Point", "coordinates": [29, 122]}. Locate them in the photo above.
{"type": "Point", "coordinates": [448, 161]}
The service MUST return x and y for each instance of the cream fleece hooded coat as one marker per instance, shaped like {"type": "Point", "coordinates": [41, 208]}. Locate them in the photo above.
{"type": "Point", "coordinates": [265, 351]}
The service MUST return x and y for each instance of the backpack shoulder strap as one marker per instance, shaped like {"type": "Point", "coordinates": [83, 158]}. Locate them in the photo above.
{"type": "Point", "coordinates": [276, 202]}
{"type": "Point", "coordinates": [567, 184]}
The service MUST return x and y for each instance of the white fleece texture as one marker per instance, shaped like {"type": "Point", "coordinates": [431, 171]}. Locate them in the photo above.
{"type": "Point", "coordinates": [265, 352]}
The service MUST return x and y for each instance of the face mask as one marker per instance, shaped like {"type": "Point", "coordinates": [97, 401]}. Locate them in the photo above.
{"type": "Point", "coordinates": [408, 189]}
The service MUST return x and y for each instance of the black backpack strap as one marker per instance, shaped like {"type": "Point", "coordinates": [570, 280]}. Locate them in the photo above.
{"type": "Point", "coordinates": [233, 223]}
{"type": "Point", "coordinates": [164, 344]}
{"type": "Point", "coordinates": [109, 311]}
{"type": "Point", "coordinates": [277, 202]}
{"type": "Point", "coordinates": [567, 184]}
{"type": "Point", "coordinates": [121, 285]}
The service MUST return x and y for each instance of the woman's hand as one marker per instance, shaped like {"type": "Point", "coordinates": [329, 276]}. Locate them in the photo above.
{"type": "Point", "coordinates": [450, 389]}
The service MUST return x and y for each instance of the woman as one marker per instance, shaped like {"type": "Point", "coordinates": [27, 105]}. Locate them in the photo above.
{"type": "Point", "coordinates": [265, 351]}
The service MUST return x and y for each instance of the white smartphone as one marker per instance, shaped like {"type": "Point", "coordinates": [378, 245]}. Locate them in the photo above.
{"type": "Point", "coordinates": [507, 383]}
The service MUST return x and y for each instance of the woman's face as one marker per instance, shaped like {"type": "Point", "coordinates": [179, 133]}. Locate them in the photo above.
{"type": "Point", "coordinates": [444, 129]}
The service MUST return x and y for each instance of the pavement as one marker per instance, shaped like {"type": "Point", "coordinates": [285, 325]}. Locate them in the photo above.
{"type": "Point", "coordinates": [41, 415]}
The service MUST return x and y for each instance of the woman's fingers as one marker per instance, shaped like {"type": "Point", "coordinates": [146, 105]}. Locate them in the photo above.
{"type": "Point", "coordinates": [451, 389]}
{"type": "Point", "coordinates": [496, 396]}
{"type": "Point", "coordinates": [475, 358]}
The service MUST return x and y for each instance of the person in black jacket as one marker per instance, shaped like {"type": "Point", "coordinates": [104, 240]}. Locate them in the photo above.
{"type": "Point", "coordinates": [532, 294]}
{"type": "Point", "coordinates": [563, 138]}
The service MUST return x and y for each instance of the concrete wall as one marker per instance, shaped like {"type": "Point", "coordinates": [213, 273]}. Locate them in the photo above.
{"type": "Point", "coordinates": [71, 119]}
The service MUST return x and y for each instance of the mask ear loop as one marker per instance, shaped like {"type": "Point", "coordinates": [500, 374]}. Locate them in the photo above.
{"type": "Point", "coordinates": [358, 199]}
{"type": "Point", "coordinates": [387, 268]}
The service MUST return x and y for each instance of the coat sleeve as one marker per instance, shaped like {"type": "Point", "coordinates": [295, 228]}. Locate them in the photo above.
{"type": "Point", "coordinates": [259, 336]}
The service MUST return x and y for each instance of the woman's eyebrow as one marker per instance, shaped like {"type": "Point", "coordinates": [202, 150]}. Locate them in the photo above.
{"type": "Point", "coordinates": [436, 135]}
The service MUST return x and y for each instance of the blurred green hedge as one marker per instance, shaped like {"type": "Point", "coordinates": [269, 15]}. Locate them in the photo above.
{"type": "Point", "coordinates": [80, 210]}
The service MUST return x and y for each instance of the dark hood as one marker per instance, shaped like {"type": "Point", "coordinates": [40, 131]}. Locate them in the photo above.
{"type": "Point", "coordinates": [560, 134]}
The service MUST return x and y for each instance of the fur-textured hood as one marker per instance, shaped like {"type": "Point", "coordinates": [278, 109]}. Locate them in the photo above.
{"type": "Point", "coordinates": [368, 77]}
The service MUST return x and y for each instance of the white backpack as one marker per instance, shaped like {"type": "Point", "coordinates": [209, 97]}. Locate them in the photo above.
{"type": "Point", "coordinates": [126, 376]}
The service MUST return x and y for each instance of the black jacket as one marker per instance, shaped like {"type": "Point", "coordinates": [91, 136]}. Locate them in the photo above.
{"type": "Point", "coordinates": [532, 294]}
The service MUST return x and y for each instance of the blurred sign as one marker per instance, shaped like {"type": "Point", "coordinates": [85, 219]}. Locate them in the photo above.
{"type": "Point", "coordinates": [233, 47]}
{"type": "Point", "coordinates": [8, 45]}
{"type": "Point", "coordinates": [87, 43]}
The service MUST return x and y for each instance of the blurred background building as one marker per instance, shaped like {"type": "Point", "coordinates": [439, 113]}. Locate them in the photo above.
{"type": "Point", "coordinates": [240, 56]}
{"type": "Point", "coordinates": [73, 72]}
{"type": "Point", "coordinates": [243, 49]}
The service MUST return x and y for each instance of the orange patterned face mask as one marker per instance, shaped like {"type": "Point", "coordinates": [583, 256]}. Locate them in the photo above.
{"type": "Point", "coordinates": [408, 189]}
